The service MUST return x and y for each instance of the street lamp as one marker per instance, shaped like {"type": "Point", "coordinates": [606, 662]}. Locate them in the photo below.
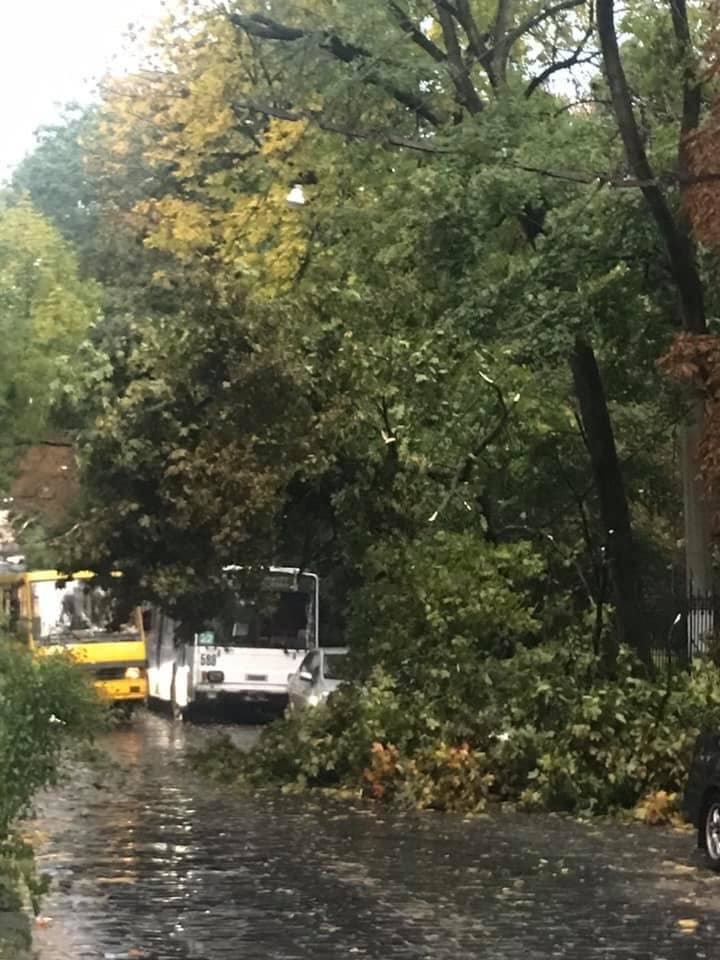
{"type": "Point", "coordinates": [296, 197]}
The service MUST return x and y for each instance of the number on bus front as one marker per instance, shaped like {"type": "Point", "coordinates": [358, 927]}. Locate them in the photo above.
{"type": "Point", "coordinates": [208, 659]}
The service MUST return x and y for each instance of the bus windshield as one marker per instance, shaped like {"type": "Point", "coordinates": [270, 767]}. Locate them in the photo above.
{"type": "Point", "coordinates": [65, 611]}
{"type": "Point", "coordinates": [281, 619]}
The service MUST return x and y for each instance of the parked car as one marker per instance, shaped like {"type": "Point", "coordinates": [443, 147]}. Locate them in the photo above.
{"type": "Point", "coordinates": [321, 672]}
{"type": "Point", "coordinates": [701, 803]}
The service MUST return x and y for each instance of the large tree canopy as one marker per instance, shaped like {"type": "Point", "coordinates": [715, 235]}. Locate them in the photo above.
{"type": "Point", "coordinates": [453, 324]}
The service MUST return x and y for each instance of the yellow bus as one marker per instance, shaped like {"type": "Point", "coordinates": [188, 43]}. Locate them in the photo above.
{"type": "Point", "coordinates": [51, 612]}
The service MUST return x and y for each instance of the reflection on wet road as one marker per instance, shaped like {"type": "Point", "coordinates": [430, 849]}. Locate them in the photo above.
{"type": "Point", "coordinates": [152, 862]}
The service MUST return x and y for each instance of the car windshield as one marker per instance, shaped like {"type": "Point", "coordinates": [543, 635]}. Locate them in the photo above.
{"type": "Point", "coordinates": [335, 666]}
{"type": "Point", "coordinates": [69, 610]}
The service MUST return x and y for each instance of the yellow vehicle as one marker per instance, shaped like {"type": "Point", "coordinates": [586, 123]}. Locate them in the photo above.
{"type": "Point", "coordinates": [50, 612]}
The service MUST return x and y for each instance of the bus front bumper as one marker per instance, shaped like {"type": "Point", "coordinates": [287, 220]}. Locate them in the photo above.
{"type": "Point", "coordinates": [221, 693]}
{"type": "Point", "coordinates": [123, 691]}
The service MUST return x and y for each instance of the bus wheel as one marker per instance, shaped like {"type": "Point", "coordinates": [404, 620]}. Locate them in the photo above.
{"type": "Point", "coordinates": [124, 712]}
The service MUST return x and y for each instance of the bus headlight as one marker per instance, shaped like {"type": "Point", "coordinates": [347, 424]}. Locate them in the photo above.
{"type": "Point", "coordinates": [133, 673]}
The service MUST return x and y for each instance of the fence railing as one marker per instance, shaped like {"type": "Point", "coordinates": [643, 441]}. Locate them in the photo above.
{"type": "Point", "coordinates": [692, 632]}
{"type": "Point", "coordinates": [702, 615]}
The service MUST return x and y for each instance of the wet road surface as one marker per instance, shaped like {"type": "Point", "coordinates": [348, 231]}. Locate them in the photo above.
{"type": "Point", "coordinates": [149, 861]}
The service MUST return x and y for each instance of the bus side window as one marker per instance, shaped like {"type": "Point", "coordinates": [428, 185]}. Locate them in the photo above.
{"type": "Point", "coordinates": [10, 609]}
{"type": "Point", "coordinates": [5, 596]}
{"type": "Point", "coordinates": [5, 608]}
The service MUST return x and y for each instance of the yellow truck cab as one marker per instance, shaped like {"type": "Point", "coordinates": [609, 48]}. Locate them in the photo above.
{"type": "Point", "coordinates": [52, 612]}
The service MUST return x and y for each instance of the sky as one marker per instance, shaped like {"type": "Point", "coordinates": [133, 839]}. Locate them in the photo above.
{"type": "Point", "coordinates": [52, 52]}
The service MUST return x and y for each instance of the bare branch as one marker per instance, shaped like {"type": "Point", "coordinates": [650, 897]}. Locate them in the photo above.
{"type": "Point", "coordinates": [692, 87]}
{"type": "Point", "coordinates": [466, 92]}
{"type": "Point", "coordinates": [415, 33]}
{"type": "Point", "coordinates": [408, 99]}
{"type": "Point", "coordinates": [536, 19]}
{"type": "Point", "coordinates": [566, 64]}
{"type": "Point", "coordinates": [432, 147]}
{"type": "Point", "coordinates": [617, 183]}
{"type": "Point", "coordinates": [677, 242]}
{"type": "Point", "coordinates": [500, 29]}
{"type": "Point", "coordinates": [584, 101]}
{"type": "Point", "coordinates": [264, 28]}
{"type": "Point", "coordinates": [477, 42]}
{"type": "Point", "coordinates": [307, 116]}
{"type": "Point", "coordinates": [388, 434]}
{"type": "Point", "coordinates": [464, 468]}
{"type": "Point", "coordinates": [27, 442]}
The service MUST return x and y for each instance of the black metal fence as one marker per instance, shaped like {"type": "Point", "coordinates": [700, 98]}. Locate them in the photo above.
{"type": "Point", "coordinates": [702, 615]}
{"type": "Point", "coordinates": [688, 626]}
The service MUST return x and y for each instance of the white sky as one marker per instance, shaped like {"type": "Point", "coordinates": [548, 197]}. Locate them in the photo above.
{"type": "Point", "coordinates": [53, 51]}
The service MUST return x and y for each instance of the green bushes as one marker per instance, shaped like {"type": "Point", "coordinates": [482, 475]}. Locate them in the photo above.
{"type": "Point", "coordinates": [431, 604]}
{"type": "Point", "coordinates": [577, 740]}
{"type": "Point", "coordinates": [325, 746]}
{"type": "Point", "coordinates": [44, 704]}
{"type": "Point", "coordinates": [545, 728]}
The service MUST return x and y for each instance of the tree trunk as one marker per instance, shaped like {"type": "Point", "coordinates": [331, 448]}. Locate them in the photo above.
{"type": "Point", "coordinates": [698, 543]}
{"type": "Point", "coordinates": [614, 511]}
{"type": "Point", "coordinates": [681, 258]}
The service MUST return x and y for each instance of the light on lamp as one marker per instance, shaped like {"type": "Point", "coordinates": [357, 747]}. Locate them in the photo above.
{"type": "Point", "coordinates": [296, 197]}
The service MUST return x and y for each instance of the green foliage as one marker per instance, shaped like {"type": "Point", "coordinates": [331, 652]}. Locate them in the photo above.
{"type": "Point", "coordinates": [57, 180]}
{"type": "Point", "coordinates": [45, 312]}
{"type": "Point", "coordinates": [200, 438]}
{"type": "Point", "coordinates": [18, 876]}
{"type": "Point", "coordinates": [45, 704]}
{"type": "Point", "coordinates": [37, 543]}
{"type": "Point", "coordinates": [548, 731]}
{"type": "Point", "coordinates": [445, 598]}
{"type": "Point", "coordinates": [16, 873]}
{"type": "Point", "coordinates": [574, 739]}
{"type": "Point", "coordinates": [325, 746]}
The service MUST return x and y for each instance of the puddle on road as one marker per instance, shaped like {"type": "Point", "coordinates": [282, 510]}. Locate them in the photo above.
{"type": "Point", "coordinates": [150, 862]}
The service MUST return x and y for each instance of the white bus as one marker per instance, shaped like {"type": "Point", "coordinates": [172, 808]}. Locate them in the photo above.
{"type": "Point", "coordinates": [241, 652]}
